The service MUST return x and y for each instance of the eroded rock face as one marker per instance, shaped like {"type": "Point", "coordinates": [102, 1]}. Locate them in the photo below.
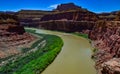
{"type": "Point", "coordinates": [106, 38]}
{"type": "Point", "coordinates": [67, 26]}
{"type": "Point", "coordinates": [12, 36]}
{"type": "Point", "coordinates": [7, 29]}
{"type": "Point", "coordinates": [11, 44]}
{"type": "Point", "coordinates": [111, 67]}
{"type": "Point", "coordinates": [75, 15]}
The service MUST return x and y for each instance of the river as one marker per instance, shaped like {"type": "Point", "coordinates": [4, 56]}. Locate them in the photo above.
{"type": "Point", "coordinates": [74, 58]}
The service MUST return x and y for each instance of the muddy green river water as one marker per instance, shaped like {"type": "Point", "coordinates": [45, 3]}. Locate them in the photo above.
{"type": "Point", "coordinates": [74, 58]}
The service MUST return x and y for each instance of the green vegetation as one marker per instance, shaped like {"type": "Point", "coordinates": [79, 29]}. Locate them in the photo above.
{"type": "Point", "coordinates": [33, 46]}
{"type": "Point", "coordinates": [81, 34]}
{"type": "Point", "coordinates": [30, 31]}
{"type": "Point", "coordinates": [24, 50]}
{"type": "Point", "coordinates": [35, 62]}
{"type": "Point", "coordinates": [95, 50]}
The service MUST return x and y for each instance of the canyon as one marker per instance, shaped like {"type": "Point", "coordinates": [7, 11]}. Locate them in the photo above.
{"type": "Point", "coordinates": [106, 39]}
{"type": "Point", "coordinates": [103, 30]}
{"type": "Point", "coordinates": [105, 36]}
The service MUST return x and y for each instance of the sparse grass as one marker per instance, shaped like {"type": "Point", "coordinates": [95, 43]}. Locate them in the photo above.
{"type": "Point", "coordinates": [24, 50]}
{"type": "Point", "coordinates": [30, 30]}
{"type": "Point", "coordinates": [81, 34]}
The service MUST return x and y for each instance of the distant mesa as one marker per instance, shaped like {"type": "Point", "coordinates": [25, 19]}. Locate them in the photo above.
{"type": "Point", "coordinates": [67, 6]}
{"type": "Point", "coordinates": [114, 15]}
{"type": "Point", "coordinates": [70, 12]}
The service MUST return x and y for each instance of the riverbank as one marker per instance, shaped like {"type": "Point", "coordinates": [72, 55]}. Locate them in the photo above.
{"type": "Point", "coordinates": [36, 61]}
{"type": "Point", "coordinates": [74, 58]}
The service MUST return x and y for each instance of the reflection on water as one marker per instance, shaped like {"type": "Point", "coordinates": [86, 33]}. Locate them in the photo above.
{"type": "Point", "coordinates": [74, 58]}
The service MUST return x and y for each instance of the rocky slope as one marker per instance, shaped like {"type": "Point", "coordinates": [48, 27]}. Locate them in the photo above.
{"type": "Point", "coordinates": [12, 36]}
{"type": "Point", "coordinates": [106, 39]}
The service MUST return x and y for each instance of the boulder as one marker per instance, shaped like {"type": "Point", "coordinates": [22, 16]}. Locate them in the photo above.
{"type": "Point", "coordinates": [111, 67]}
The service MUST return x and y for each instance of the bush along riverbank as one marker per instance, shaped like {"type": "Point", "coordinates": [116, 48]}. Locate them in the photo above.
{"type": "Point", "coordinates": [35, 62]}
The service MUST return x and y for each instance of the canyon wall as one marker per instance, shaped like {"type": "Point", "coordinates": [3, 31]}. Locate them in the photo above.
{"type": "Point", "coordinates": [12, 36]}
{"type": "Point", "coordinates": [106, 39]}
{"type": "Point", "coordinates": [75, 15]}
{"type": "Point", "coordinates": [67, 26]}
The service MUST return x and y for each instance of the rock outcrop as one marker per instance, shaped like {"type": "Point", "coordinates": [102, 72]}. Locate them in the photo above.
{"type": "Point", "coordinates": [67, 6]}
{"type": "Point", "coordinates": [106, 38]}
{"type": "Point", "coordinates": [8, 29]}
{"type": "Point", "coordinates": [111, 67]}
{"type": "Point", "coordinates": [12, 36]}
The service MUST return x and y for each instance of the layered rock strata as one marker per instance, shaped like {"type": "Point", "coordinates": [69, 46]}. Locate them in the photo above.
{"type": "Point", "coordinates": [12, 38]}
{"type": "Point", "coordinates": [106, 39]}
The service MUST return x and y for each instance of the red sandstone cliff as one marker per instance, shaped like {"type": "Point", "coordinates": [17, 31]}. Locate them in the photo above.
{"type": "Point", "coordinates": [106, 38]}
{"type": "Point", "coordinates": [74, 15]}
{"type": "Point", "coordinates": [12, 36]}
